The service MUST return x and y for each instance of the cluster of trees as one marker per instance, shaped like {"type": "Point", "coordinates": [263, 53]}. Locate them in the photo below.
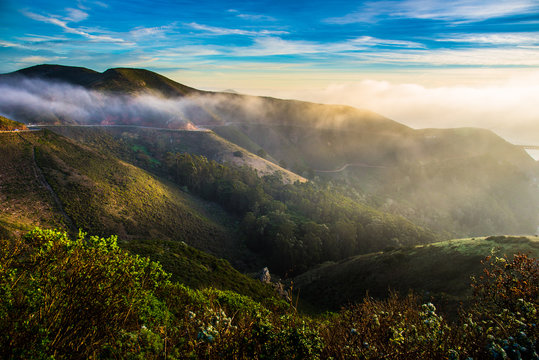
{"type": "Point", "coordinates": [293, 225]}
{"type": "Point", "coordinates": [85, 298]}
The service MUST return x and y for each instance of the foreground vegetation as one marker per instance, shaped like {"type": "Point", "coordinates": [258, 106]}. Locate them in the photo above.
{"type": "Point", "coordinates": [437, 272]}
{"type": "Point", "coordinates": [84, 297]}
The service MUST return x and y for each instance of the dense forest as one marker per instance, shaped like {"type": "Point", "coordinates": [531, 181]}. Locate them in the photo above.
{"type": "Point", "coordinates": [295, 225]}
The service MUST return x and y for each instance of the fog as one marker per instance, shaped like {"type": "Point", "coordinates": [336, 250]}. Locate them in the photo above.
{"type": "Point", "coordinates": [508, 108]}
{"type": "Point", "coordinates": [40, 101]}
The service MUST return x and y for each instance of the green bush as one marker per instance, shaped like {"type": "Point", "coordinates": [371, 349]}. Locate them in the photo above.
{"type": "Point", "coordinates": [86, 298]}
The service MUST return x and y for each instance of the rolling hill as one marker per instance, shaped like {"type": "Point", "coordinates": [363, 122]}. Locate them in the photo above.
{"type": "Point", "coordinates": [49, 180]}
{"type": "Point", "coordinates": [457, 182]}
{"type": "Point", "coordinates": [438, 272]}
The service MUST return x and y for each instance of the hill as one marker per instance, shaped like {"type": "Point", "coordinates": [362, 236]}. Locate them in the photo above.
{"type": "Point", "coordinates": [457, 182]}
{"type": "Point", "coordinates": [10, 125]}
{"type": "Point", "coordinates": [299, 210]}
{"type": "Point", "coordinates": [48, 179]}
{"type": "Point", "coordinates": [147, 147]}
{"type": "Point", "coordinates": [116, 80]}
{"type": "Point", "coordinates": [438, 272]}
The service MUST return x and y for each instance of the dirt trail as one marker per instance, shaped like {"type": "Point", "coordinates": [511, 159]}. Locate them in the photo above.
{"type": "Point", "coordinates": [40, 177]}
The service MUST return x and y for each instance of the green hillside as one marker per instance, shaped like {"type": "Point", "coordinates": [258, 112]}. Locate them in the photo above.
{"type": "Point", "coordinates": [24, 198]}
{"type": "Point", "coordinates": [439, 272]}
{"type": "Point", "coordinates": [147, 147]}
{"type": "Point", "coordinates": [460, 182]}
{"type": "Point", "coordinates": [291, 226]}
{"type": "Point", "coordinates": [99, 193]}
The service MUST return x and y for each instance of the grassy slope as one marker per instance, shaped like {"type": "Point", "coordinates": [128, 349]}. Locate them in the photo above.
{"type": "Point", "coordinates": [106, 196]}
{"type": "Point", "coordinates": [198, 269]}
{"type": "Point", "coordinates": [439, 270]}
{"type": "Point", "coordinates": [24, 201]}
{"type": "Point", "coordinates": [103, 195]}
{"type": "Point", "coordinates": [8, 124]}
{"type": "Point", "coordinates": [146, 147]}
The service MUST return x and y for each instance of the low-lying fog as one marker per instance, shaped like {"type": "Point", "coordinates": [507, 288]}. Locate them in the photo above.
{"type": "Point", "coordinates": [510, 110]}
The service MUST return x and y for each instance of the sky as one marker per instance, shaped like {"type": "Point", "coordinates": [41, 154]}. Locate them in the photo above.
{"type": "Point", "coordinates": [425, 63]}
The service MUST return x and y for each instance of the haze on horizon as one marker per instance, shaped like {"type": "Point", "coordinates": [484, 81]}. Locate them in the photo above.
{"type": "Point", "coordinates": [425, 63]}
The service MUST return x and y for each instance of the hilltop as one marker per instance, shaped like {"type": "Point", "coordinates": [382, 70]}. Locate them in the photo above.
{"type": "Point", "coordinates": [115, 80]}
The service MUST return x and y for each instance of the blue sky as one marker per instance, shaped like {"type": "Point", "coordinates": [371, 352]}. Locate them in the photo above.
{"type": "Point", "coordinates": [316, 50]}
{"type": "Point", "coordinates": [266, 36]}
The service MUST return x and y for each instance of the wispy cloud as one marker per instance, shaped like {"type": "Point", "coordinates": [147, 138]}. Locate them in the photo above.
{"type": "Point", "coordinates": [268, 46]}
{"type": "Point", "coordinates": [75, 15]}
{"type": "Point", "coordinates": [494, 38]}
{"type": "Point", "coordinates": [9, 44]}
{"type": "Point", "coordinates": [458, 10]}
{"type": "Point", "coordinates": [39, 59]}
{"type": "Point", "coordinates": [463, 57]}
{"type": "Point", "coordinates": [212, 30]}
{"type": "Point", "coordinates": [372, 41]}
{"type": "Point", "coordinates": [68, 29]}
{"type": "Point", "coordinates": [252, 17]}
{"type": "Point", "coordinates": [157, 31]}
{"type": "Point", "coordinates": [466, 10]}
{"type": "Point", "coordinates": [35, 38]}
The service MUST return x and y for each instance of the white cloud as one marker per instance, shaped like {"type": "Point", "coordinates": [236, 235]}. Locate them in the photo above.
{"type": "Point", "coordinates": [63, 24]}
{"type": "Point", "coordinates": [270, 45]}
{"type": "Point", "coordinates": [457, 10]}
{"type": "Point", "coordinates": [40, 38]}
{"type": "Point", "coordinates": [371, 41]}
{"type": "Point", "coordinates": [39, 59]}
{"type": "Point", "coordinates": [158, 31]}
{"type": "Point", "coordinates": [9, 44]}
{"type": "Point", "coordinates": [464, 57]}
{"type": "Point", "coordinates": [467, 10]}
{"type": "Point", "coordinates": [75, 15]}
{"type": "Point", "coordinates": [225, 31]}
{"type": "Point", "coordinates": [494, 38]}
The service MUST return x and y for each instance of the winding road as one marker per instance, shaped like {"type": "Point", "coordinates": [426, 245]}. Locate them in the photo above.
{"type": "Point", "coordinates": [345, 166]}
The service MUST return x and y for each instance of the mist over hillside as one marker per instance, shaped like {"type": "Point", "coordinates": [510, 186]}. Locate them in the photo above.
{"type": "Point", "coordinates": [457, 182]}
